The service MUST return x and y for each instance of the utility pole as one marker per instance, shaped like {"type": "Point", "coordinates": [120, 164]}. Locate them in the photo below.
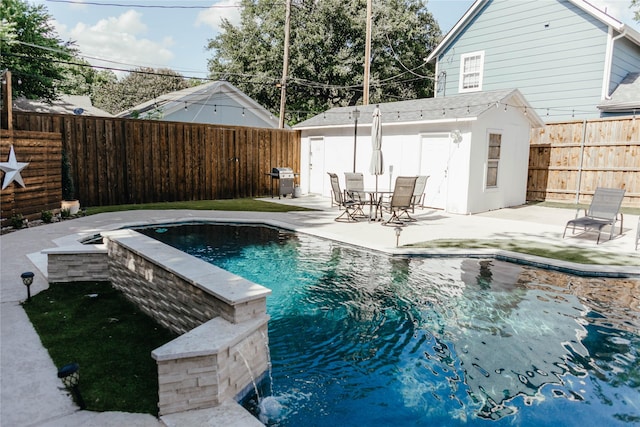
{"type": "Point", "coordinates": [367, 56]}
{"type": "Point", "coordinates": [285, 64]}
{"type": "Point", "coordinates": [7, 100]}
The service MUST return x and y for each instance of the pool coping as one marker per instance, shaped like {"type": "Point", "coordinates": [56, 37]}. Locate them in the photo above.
{"type": "Point", "coordinates": [577, 269]}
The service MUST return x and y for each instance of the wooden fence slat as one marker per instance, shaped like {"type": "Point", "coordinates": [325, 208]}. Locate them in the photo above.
{"type": "Point", "coordinates": [611, 158]}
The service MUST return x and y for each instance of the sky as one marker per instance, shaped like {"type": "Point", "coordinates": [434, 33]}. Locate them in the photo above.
{"type": "Point", "coordinates": [130, 34]}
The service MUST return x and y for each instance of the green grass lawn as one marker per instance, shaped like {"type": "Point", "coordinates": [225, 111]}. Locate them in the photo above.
{"type": "Point", "coordinates": [563, 253]}
{"type": "Point", "coordinates": [247, 204]}
{"type": "Point", "coordinates": [93, 325]}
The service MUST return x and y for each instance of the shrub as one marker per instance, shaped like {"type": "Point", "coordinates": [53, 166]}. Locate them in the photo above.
{"type": "Point", "coordinates": [65, 213]}
{"type": "Point", "coordinates": [17, 221]}
{"type": "Point", "coordinates": [46, 216]}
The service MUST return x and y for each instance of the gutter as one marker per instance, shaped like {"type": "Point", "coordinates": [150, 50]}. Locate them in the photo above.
{"type": "Point", "coordinates": [388, 124]}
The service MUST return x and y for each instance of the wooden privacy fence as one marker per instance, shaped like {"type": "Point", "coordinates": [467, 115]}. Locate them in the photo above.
{"type": "Point", "coordinates": [41, 177]}
{"type": "Point", "coordinates": [567, 161]}
{"type": "Point", "coordinates": [120, 161]}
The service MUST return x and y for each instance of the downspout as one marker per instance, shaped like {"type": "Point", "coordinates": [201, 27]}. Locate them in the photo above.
{"type": "Point", "coordinates": [609, 63]}
{"type": "Point", "coordinates": [582, 143]}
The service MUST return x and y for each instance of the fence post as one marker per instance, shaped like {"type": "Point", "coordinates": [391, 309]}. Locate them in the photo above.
{"type": "Point", "coordinates": [584, 137]}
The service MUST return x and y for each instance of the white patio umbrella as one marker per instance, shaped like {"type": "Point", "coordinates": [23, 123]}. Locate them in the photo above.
{"type": "Point", "coordinates": [376, 167]}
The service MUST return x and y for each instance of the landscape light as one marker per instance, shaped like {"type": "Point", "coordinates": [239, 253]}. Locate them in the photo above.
{"type": "Point", "coordinates": [27, 280]}
{"type": "Point", "coordinates": [70, 376]}
{"type": "Point", "coordinates": [398, 230]}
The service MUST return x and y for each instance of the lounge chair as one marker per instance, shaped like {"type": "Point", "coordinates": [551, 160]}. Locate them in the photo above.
{"type": "Point", "coordinates": [603, 210]}
{"type": "Point", "coordinates": [400, 202]}
{"type": "Point", "coordinates": [418, 192]}
{"type": "Point", "coordinates": [354, 190]}
{"type": "Point", "coordinates": [351, 207]}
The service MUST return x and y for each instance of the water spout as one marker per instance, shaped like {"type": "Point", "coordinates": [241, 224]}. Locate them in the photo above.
{"type": "Point", "coordinates": [266, 344]}
{"type": "Point", "coordinates": [253, 380]}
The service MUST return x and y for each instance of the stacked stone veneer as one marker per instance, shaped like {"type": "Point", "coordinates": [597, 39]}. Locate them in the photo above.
{"type": "Point", "coordinates": [80, 263]}
{"type": "Point", "coordinates": [175, 288]}
{"type": "Point", "coordinates": [215, 362]}
{"type": "Point", "coordinates": [222, 317]}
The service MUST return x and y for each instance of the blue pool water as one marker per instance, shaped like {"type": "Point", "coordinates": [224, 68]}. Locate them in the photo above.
{"type": "Point", "coordinates": [358, 338]}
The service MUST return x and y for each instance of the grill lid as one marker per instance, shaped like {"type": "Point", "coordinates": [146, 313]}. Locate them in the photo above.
{"type": "Point", "coordinates": [282, 172]}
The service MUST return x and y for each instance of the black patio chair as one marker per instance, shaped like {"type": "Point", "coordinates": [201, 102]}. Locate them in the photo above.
{"type": "Point", "coordinates": [603, 210]}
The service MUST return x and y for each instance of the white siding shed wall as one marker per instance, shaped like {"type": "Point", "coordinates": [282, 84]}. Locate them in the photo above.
{"type": "Point", "coordinates": [514, 159]}
{"type": "Point", "coordinates": [402, 146]}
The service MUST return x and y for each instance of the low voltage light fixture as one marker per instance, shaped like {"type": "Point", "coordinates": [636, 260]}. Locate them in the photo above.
{"type": "Point", "coordinates": [398, 230]}
{"type": "Point", "coordinates": [70, 376]}
{"type": "Point", "coordinates": [27, 280]}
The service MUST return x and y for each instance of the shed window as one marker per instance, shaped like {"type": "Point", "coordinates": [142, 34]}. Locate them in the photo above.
{"type": "Point", "coordinates": [471, 66]}
{"type": "Point", "coordinates": [493, 158]}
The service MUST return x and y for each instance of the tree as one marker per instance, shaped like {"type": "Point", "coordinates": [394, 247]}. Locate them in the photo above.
{"type": "Point", "coordinates": [80, 77]}
{"type": "Point", "coordinates": [140, 85]}
{"type": "Point", "coordinates": [31, 50]}
{"type": "Point", "coordinates": [327, 46]}
{"type": "Point", "coordinates": [635, 6]}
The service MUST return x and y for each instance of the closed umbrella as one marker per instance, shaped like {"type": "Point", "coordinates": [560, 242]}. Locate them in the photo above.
{"type": "Point", "coordinates": [376, 167]}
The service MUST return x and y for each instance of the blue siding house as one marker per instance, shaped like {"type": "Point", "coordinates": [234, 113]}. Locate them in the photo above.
{"type": "Point", "coordinates": [566, 57]}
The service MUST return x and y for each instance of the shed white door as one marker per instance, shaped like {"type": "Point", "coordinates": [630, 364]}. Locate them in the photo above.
{"type": "Point", "coordinates": [317, 174]}
{"type": "Point", "coordinates": [434, 161]}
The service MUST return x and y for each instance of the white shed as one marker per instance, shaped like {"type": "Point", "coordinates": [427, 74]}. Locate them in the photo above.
{"type": "Point", "coordinates": [474, 147]}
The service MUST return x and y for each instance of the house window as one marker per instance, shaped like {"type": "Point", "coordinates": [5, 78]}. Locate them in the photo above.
{"type": "Point", "coordinates": [493, 158]}
{"type": "Point", "coordinates": [471, 66]}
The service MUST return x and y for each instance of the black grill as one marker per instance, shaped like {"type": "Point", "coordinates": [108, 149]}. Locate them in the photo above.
{"type": "Point", "coordinates": [285, 177]}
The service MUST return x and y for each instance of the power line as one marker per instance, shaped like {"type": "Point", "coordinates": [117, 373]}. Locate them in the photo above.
{"type": "Point", "coordinates": [146, 6]}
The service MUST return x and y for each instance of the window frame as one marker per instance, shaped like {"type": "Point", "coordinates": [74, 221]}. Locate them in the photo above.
{"type": "Point", "coordinates": [493, 162]}
{"type": "Point", "coordinates": [479, 71]}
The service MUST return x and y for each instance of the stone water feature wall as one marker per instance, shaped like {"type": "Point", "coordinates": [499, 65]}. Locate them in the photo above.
{"type": "Point", "coordinates": [179, 291]}
{"type": "Point", "coordinates": [77, 264]}
{"type": "Point", "coordinates": [223, 348]}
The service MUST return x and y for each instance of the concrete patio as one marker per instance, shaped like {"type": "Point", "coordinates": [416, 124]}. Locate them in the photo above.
{"type": "Point", "coordinates": [31, 393]}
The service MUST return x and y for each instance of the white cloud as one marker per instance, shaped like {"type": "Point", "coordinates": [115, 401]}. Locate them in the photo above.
{"type": "Point", "coordinates": [223, 9]}
{"type": "Point", "coordinates": [119, 39]}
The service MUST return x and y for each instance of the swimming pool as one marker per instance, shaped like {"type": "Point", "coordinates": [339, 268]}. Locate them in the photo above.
{"type": "Point", "coordinates": [360, 338]}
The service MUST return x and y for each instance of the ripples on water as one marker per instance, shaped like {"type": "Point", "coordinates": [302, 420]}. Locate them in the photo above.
{"type": "Point", "coordinates": [358, 338]}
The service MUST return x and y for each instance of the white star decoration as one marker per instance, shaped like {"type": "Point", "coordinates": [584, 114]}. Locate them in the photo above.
{"type": "Point", "coordinates": [12, 170]}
